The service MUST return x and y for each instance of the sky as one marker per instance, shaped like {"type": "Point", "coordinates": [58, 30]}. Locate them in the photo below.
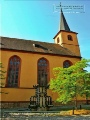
{"type": "Point", "coordinates": [39, 20]}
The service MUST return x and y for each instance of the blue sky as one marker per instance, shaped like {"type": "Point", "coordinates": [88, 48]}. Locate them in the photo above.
{"type": "Point", "coordinates": [39, 20]}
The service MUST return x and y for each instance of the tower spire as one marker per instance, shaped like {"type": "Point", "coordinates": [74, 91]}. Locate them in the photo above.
{"type": "Point", "coordinates": [63, 22]}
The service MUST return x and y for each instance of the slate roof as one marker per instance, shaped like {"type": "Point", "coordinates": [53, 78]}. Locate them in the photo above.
{"type": "Point", "coordinates": [34, 46]}
{"type": "Point", "coordinates": [63, 22]}
{"type": "Point", "coordinates": [63, 25]}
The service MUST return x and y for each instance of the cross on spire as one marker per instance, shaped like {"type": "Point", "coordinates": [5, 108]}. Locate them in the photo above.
{"type": "Point", "coordinates": [60, 5]}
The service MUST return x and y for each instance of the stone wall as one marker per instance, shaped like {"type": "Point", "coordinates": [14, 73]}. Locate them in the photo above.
{"type": "Point", "coordinates": [26, 104]}
{"type": "Point", "coordinates": [14, 105]}
{"type": "Point", "coordinates": [79, 102]}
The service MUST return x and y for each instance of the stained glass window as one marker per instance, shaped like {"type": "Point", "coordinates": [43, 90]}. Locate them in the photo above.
{"type": "Point", "coordinates": [13, 72]}
{"type": "Point", "coordinates": [66, 64]}
{"type": "Point", "coordinates": [42, 72]}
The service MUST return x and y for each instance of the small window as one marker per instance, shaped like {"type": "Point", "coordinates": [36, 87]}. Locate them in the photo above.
{"type": "Point", "coordinates": [39, 46]}
{"type": "Point", "coordinates": [70, 37]}
{"type": "Point", "coordinates": [66, 64]}
{"type": "Point", "coordinates": [58, 40]}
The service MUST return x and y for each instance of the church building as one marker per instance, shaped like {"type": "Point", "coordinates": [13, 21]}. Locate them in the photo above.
{"type": "Point", "coordinates": [29, 62]}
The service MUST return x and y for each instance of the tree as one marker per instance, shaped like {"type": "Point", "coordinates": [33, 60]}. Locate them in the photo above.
{"type": "Point", "coordinates": [86, 86]}
{"type": "Point", "coordinates": [71, 82]}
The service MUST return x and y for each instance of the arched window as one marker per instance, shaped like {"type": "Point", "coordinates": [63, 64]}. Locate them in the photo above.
{"type": "Point", "coordinates": [58, 40]}
{"type": "Point", "coordinates": [13, 72]}
{"type": "Point", "coordinates": [66, 64]}
{"type": "Point", "coordinates": [69, 37]}
{"type": "Point", "coordinates": [43, 72]}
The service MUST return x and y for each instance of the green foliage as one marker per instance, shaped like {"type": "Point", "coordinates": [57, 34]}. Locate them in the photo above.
{"type": "Point", "coordinates": [71, 82]}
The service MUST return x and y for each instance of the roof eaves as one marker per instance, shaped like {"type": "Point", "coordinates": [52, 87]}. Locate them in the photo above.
{"type": "Point", "coordinates": [64, 31]}
{"type": "Point", "coordinates": [36, 52]}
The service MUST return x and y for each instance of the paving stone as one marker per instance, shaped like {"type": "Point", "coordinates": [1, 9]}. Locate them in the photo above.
{"type": "Point", "coordinates": [41, 116]}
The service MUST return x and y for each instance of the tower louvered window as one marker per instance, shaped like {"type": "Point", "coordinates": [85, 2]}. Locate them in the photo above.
{"type": "Point", "coordinates": [58, 40]}
{"type": "Point", "coordinates": [70, 37]}
{"type": "Point", "coordinates": [13, 72]}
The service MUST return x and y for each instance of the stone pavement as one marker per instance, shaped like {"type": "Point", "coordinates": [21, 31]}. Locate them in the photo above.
{"type": "Point", "coordinates": [42, 116]}
{"type": "Point", "coordinates": [47, 118]}
{"type": "Point", "coordinates": [54, 114]}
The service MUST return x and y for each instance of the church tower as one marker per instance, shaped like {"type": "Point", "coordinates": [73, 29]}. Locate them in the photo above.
{"type": "Point", "coordinates": [67, 38]}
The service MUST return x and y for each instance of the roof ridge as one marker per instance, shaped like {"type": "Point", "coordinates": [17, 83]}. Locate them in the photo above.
{"type": "Point", "coordinates": [26, 40]}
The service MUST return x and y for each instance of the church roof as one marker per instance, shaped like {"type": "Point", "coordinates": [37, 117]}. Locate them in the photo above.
{"type": "Point", "coordinates": [63, 22]}
{"type": "Point", "coordinates": [34, 46]}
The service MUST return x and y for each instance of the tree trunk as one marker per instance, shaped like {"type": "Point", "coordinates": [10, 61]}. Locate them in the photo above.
{"type": "Point", "coordinates": [75, 98]}
{"type": "Point", "coordinates": [86, 99]}
{"type": "Point", "coordinates": [76, 103]}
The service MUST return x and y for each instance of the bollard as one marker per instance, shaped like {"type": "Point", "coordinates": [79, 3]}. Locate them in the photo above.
{"type": "Point", "coordinates": [73, 111]}
{"type": "Point", "coordinates": [80, 107]}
